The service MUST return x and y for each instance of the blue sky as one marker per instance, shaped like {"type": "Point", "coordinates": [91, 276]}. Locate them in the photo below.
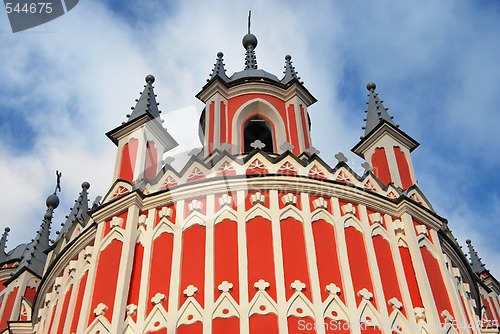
{"type": "Point", "coordinates": [64, 84]}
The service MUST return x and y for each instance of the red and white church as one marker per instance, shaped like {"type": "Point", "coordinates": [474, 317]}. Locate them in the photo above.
{"type": "Point", "coordinates": [255, 234]}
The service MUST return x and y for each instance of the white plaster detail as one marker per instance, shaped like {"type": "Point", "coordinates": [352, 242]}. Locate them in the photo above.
{"type": "Point", "coordinates": [57, 284]}
{"type": "Point", "coordinates": [422, 230]}
{"type": "Point", "coordinates": [320, 203]}
{"type": "Point", "coordinates": [395, 303]}
{"type": "Point", "coordinates": [376, 218]}
{"type": "Point", "coordinates": [158, 298]}
{"type": "Point", "coordinates": [448, 318]}
{"type": "Point", "coordinates": [291, 211]}
{"type": "Point", "coordinates": [225, 286]}
{"type": "Point", "coordinates": [142, 222]}
{"type": "Point", "coordinates": [399, 324]}
{"type": "Point", "coordinates": [131, 310]}
{"type": "Point", "coordinates": [261, 285]}
{"type": "Point", "coordinates": [258, 211]}
{"type": "Point", "coordinates": [258, 198]}
{"type": "Point", "coordinates": [262, 303]}
{"type": "Point", "coordinates": [398, 226]}
{"type": "Point", "coordinates": [87, 253]}
{"type": "Point", "coordinates": [72, 268]}
{"type": "Point", "coordinates": [419, 313]}
{"type": "Point", "coordinates": [100, 325]}
{"type": "Point", "coordinates": [287, 167]}
{"type": "Point", "coordinates": [298, 286]}
{"type": "Point", "coordinates": [225, 200]}
{"type": "Point", "coordinates": [456, 273]}
{"type": "Point", "coordinates": [298, 305]}
{"type": "Point", "coordinates": [195, 205]}
{"type": "Point", "coordinates": [100, 309]}
{"type": "Point", "coordinates": [368, 313]}
{"type": "Point", "coordinates": [289, 199]}
{"type": "Point", "coordinates": [116, 222]}
{"type": "Point", "coordinates": [332, 289]}
{"type": "Point", "coordinates": [226, 307]}
{"type": "Point", "coordinates": [166, 212]}
{"type": "Point", "coordinates": [156, 320]}
{"type": "Point", "coordinates": [349, 209]}
{"type": "Point", "coordinates": [333, 307]}
{"type": "Point", "coordinates": [190, 291]}
{"type": "Point", "coordinates": [343, 177]}
{"type": "Point", "coordinates": [190, 312]}
{"type": "Point", "coordinates": [365, 294]}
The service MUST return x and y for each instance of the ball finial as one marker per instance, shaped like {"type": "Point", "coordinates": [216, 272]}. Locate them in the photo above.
{"type": "Point", "coordinates": [52, 201]}
{"type": "Point", "coordinates": [150, 79]}
{"type": "Point", "coordinates": [7, 229]}
{"type": "Point", "coordinates": [85, 185]}
{"type": "Point", "coordinates": [371, 86]}
{"type": "Point", "coordinates": [468, 241]}
{"type": "Point", "coordinates": [220, 54]}
{"type": "Point", "coordinates": [249, 40]}
{"type": "Point", "coordinates": [288, 57]}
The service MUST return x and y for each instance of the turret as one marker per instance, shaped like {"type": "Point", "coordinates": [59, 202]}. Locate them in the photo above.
{"type": "Point", "coordinates": [142, 140]}
{"type": "Point", "coordinates": [254, 109]}
{"type": "Point", "coordinates": [384, 146]}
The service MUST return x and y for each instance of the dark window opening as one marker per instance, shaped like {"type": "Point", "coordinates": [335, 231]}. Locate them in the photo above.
{"type": "Point", "coordinates": [258, 128]}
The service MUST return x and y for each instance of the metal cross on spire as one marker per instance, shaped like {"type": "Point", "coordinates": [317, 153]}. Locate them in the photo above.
{"type": "Point", "coordinates": [58, 182]}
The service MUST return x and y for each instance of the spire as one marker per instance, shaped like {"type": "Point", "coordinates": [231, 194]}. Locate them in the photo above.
{"type": "Point", "coordinates": [219, 69]}
{"type": "Point", "coordinates": [250, 43]}
{"type": "Point", "coordinates": [475, 260]}
{"type": "Point", "coordinates": [376, 113]}
{"type": "Point", "coordinates": [34, 256]}
{"type": "Point", "coordinates": [289, 72]}
{"type": "Point", "coordinates": [78, 213]}
{"type": "Point", "coordinates": [3, 243]}
{"type": "Point", "coordinates": [146, 104]}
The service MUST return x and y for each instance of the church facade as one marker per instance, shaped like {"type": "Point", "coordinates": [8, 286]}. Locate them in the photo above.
{"type": "Point", "coordinates": [255, 234]}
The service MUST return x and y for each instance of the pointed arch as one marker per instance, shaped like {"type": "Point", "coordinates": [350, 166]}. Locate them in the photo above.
{"type": "Point", "coordinates": [258, 210]}
{"type": "Point", "coordinates": [322, 214]}
{"type": "Point", "coordinates": [265, 109]}
{"type": "Point", "coordinates": [352, 221]}
{"type": "Point", "coordinates": [226, 213]}
{"type": "Point", "coordinates": [299, 306]}
{"type": "Point", "coordinates": [379, 230]}
{"type": "Point", "coordinates": [291, 211]}
{"type": "Point", "coordinates": [99, 325]}
{"type": "Point", "coordinates": [195, 218]}
{"type": "Point", "coordinates": [164, 226]}
{"type": "Point", "coordinates": [156, 320]}
{"type": "Point", "coordinates": [116, 233]}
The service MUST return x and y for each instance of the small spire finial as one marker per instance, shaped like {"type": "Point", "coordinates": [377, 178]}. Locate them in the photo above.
{"type": "Point", "coordinates": [371, 86]}
{"type": "Point", "coordinates": [475, 260]}
{"type": "Point", "coordinates": [249, 19]}
{"type": "Point", "coordinates": [150, 79]}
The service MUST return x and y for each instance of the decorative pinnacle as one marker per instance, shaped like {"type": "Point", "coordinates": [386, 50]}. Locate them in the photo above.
{"type": "Point", "coordinates": [376, 112]}
{"type": "Point", "coordinates": [475, 260]}
{"type": "Point", "coordinates": [250, 43]}
{"type": "Point", "coordinates": [3, 243]}
{"type": "Point", "coordinates": [219, 69]}
{"type": "Point", "coordinates": [289, 72]}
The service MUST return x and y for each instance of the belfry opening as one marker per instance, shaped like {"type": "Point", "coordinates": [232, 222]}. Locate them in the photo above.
{"type": "Point", "coordinates": [258, 128]}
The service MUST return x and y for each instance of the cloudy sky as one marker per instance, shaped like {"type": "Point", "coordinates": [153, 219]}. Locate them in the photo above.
{"type": "Point", "coordinates": [67, 82]}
